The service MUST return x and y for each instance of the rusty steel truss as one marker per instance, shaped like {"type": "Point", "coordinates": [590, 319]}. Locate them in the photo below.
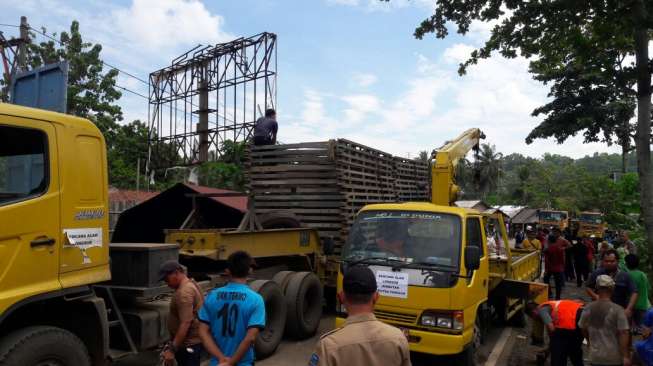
{"type": "Point", "coordinates": [210, 95]}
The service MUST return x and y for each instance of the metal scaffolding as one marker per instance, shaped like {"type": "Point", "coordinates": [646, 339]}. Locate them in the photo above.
{"type": "Point", "coordinates": [207, 96]}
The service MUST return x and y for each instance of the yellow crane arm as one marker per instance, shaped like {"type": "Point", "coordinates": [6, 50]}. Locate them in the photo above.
{"type": "Point", "coordinates": [443, 167]}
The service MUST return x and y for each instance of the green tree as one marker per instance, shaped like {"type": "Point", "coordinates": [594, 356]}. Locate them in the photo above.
{"type": "Point", "coordinates": [227, 172]}
{"type": "Point", "coordinates": [92, 91]}
{"type": "Point", "coordinates": [423, 156]}
{"type": "Point", "coordinates": [489, 166]}
{"type": "Point", "coordinates": [556, 32]}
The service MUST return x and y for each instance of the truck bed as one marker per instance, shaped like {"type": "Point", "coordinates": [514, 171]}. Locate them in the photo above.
{"type": "Point", "coordinates": [523, 265]}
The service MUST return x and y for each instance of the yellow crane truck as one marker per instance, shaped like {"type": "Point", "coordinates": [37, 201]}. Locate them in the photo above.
{"type": "Point", "coordinates": [443, 272]}
{"type": "Point", "coordinates": [68, 297]}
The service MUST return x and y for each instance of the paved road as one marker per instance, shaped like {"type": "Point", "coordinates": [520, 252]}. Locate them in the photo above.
{"type": "Point", "coordinates": [292, 352]}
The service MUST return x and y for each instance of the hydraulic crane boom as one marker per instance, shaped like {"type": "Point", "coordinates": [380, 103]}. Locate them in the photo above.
{"type": "Point", "coordinates": [443, 185]}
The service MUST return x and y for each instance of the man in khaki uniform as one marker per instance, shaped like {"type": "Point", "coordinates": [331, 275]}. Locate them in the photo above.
{"type": "Point", "coordinates": [363, 340]}
{"type": "Point", "coordinates": [185, 346]}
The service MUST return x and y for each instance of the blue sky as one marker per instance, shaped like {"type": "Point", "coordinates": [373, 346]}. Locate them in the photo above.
{"type": "Point", "coordinates": [346, 68]}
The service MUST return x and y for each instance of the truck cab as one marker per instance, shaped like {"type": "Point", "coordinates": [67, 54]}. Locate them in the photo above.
{"type": "Point", "coordinates": [53, 226]}
{"type": "Point", "coordinates": [435, 272]}
{"type": "Point", "coordinates": [553, 218]}
{"type": "Point", "coordinates": [591, 223]}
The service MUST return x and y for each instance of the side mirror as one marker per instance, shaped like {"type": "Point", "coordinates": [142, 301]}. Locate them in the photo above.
{"type": "Point", "coordinates": [472, 258]}
{"type": "Point", "coordinates": [328, 246]}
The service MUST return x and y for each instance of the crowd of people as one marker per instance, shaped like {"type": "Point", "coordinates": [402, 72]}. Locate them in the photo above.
{"type": "Point", "coordinates": [619, 292]}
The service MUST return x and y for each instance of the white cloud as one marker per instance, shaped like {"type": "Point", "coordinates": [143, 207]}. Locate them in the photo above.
{"type": "Point", "coordinates": [364, 80]}
{"type": "Point", "coordinates": [167, 23]}
{"type": "Point", "coordinates": [360, 106]}
{"type": "Point", "coordinates": [458, 53]}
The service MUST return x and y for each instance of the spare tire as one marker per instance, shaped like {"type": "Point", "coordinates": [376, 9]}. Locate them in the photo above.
{"type": "Point", "coordinates": [275, 318]}
{"type": "Point", "coordinates": [304, 298]}
{"type": "Point", "coordinates": [279, 220]}
{"type": "Point", "coordinates": [282, 278]}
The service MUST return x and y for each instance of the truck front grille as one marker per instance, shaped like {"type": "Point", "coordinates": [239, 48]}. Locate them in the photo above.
{"type": "Point", "coordinates": [396, 317]}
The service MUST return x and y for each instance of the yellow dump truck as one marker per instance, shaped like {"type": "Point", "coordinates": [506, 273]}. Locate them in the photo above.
{"type": "Point", "coordinates": [553, 218]}
{"type": "Point", "coordinates": [591, 223]}
{"type": "Point", "coordinates": [69, 298]}
{"type": "Point", "coordinates": [442, 272]}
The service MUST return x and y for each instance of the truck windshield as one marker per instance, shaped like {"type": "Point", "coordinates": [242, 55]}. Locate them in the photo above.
{"type": "Point", "coordinates": [422, 238]}
{"type": "Point", "coordinates": [552, 216]}
{"type": "Point", "coordinates": [591, 218]}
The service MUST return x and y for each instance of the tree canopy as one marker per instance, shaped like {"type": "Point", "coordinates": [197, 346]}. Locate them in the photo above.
{"type": "Point", "coordinates": [579, 47]}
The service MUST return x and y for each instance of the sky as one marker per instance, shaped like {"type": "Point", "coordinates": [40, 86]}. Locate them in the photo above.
{"type": "Point", "coordinates": [346, 68]}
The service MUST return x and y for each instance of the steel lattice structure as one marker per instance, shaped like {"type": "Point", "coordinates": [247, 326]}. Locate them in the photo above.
{"type": "Point", "coordinates": [210, 95]}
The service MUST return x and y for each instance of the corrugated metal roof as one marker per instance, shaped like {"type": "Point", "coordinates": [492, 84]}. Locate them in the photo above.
{"type": "Point", "coordinates": [511, 210]}
{"type": "Point", "coordinates": [237, 202]}
{"type": "Point", "coordinates": [525, 216]}
{"type": "Point", "coordinates": [471, 204]}
{"type": "Point", "coordinates": [128, 195]}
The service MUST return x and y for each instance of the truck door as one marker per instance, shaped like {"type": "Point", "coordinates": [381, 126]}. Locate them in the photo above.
{"type": "Point", "coordinates": [84, 217]}
{"type": "Point", "coordinates": [29, 209]}
{"type": "Point", "coordinates": [479, 281]}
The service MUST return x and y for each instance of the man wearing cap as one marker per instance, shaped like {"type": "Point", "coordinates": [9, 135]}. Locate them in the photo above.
{"type": "Point", "coordinates": [605, 326]}
{"type": "Point", "coordinates": [363, 340]}
{"type": "Point", "coordinates": [186, 345]}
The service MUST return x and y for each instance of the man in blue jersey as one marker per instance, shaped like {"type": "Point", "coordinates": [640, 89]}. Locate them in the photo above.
{"type": "Point", "coordinates": [232, 316]}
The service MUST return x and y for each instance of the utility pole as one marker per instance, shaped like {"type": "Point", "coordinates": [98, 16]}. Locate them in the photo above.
{"type": "Point", "coordinates": [22, 47]}
{"type": "Point", "coordinates": [138, 174]}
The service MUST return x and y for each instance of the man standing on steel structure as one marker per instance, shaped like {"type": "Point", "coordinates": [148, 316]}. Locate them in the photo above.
{"type": "Point", "coordinates": [265, 130]}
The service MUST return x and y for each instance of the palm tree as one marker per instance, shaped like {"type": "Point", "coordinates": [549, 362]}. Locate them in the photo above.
{"type": "Point", "coordinates": [489, 166]}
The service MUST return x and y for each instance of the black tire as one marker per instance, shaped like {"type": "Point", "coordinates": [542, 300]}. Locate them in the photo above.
{"type": "Point", "coordinates": [275, 318]}
{"type": "Point", "coordinates": [468, 356]}
{"type": "Point", "coordinates": [279, 220]}
{"type": "Point", "coordinates": [282, 278]}
{"type": "Point", "coordinates": [42, 345]}
{"type": "Point", "coordinates": [304, 299]}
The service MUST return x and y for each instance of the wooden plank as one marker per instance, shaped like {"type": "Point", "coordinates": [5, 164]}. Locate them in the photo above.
{"type": "Point", "coordinates": [303, 197]}
{"type": "Point", "coordinates": [317, 144]}
{"type": "Point", "coordinates": [291, 168]}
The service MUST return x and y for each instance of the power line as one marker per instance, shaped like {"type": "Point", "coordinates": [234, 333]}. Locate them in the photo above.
{"type": "Point", "coordinates": [9, 25]}
{"type": "Point", "coordinates": [126, 73]}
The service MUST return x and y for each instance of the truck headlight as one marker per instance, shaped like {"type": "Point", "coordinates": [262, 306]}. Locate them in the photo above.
{"type": "Point", "coordinates": [453, 320]}
{"type": "Point", "coordinates": [429, 320]}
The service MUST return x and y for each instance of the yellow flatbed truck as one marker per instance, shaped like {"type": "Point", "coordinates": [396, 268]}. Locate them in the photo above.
{"type": "Point", "coordinates": [67, 296]}
{"type": "Point", "coordinates": [441, 272]}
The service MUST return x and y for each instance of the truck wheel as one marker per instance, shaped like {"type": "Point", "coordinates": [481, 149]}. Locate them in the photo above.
{"type": "Point", "coordinates": [275, 318]}
{"type": "Point", "coordinates": [304, 299]}
{"type": "Point", "coordinates": [468, 356]}
{"type": "Point", "coordinates": [43, 346]}
{"type": "Point", "coordinates": [279, 219]}
{"type": "Point", "coordinates": [282, 279]}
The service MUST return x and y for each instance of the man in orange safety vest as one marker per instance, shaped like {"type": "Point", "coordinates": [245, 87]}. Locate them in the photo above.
{"type": "Point", "coordinates": [561, 320]}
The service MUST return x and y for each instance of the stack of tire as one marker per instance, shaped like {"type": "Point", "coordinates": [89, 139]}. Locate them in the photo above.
{"type": "Point", "coordinates": [293, 306]}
